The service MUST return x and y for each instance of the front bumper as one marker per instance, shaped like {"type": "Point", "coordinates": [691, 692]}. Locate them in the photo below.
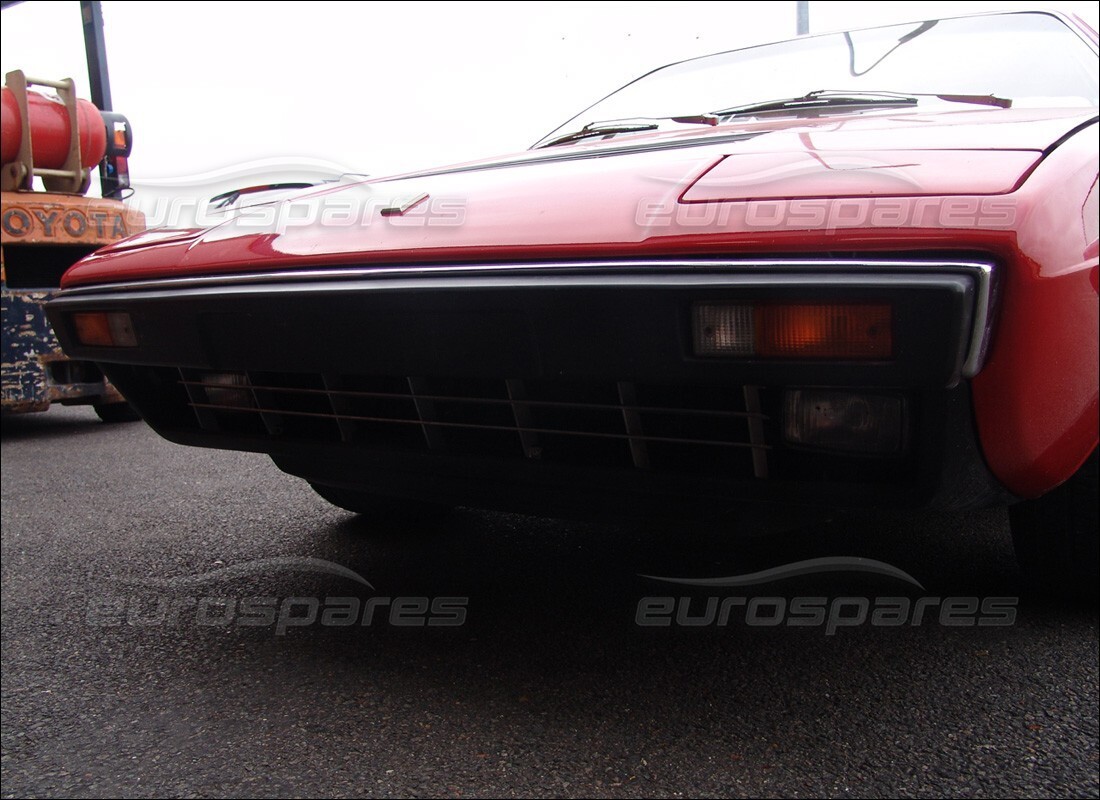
{"type": "Point", "coordinates": [547, 387]}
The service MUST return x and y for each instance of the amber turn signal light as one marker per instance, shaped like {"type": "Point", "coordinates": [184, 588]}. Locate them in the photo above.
{"type": "Point", "coordinates": [104, 329]}
{"type": "Point", "coordinates": [824, 331]}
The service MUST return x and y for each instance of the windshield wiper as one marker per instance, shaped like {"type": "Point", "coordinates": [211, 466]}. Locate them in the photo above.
{"type": "Point", "coordinates": [632, 125]}
{"type": "Point", "coordinates": [972, 99]}
{"type": "Point", "coordinates": [828, 98]}
{"type": "Point", "coordinates": [605, 128]}
{"type": "Point", "coordinates": [811, 101]}
{"type": "Point", "coordinates": [822, 98]}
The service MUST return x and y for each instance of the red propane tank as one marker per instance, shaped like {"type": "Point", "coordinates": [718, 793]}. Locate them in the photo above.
{"type": "Point", "coordinates": [49, 124]}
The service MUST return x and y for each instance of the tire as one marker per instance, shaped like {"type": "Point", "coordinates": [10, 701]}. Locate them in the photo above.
{"type": "Point", "coordinates": [1057, 539]}
{"type": "Point", "coordinates": [380, 507]}
{"type": "Point", "coordinates": [116, 412]}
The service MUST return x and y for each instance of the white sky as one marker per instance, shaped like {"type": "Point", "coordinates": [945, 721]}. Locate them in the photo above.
{"type": "Point", "coordinates": [387, 87]}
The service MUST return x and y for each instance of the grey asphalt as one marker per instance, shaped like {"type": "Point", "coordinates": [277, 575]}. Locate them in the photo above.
{"type": "Point", "coordinates": [549, 688]}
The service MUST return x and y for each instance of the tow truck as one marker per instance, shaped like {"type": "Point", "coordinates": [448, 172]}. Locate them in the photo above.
{"type": "Point", "coordinates": [51, 141]}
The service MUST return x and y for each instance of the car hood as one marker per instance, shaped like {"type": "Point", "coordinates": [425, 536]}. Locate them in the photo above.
{"type": "Point", "coordinates": [651, 194]}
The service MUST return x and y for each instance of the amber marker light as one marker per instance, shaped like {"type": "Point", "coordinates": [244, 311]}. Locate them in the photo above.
{"type": "Point", "coordinates": [841, 331]}
{"type": "Point", "coordinates": [104, 329]}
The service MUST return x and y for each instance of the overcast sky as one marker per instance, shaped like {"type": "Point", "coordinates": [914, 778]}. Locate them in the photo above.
{"type": "Point", "coordinates": [386, 87]}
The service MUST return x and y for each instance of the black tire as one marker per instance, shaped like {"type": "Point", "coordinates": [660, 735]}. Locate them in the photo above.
{"type": "Point", "coordinates": [1057, 538]}
{"type": "Point", "coordinates": [380, 507]}
{"type": "Point", "coordinates": [116, 412]}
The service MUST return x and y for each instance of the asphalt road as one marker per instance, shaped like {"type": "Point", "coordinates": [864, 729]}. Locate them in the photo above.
{"type": "Point", "coordinates": [548, 688]}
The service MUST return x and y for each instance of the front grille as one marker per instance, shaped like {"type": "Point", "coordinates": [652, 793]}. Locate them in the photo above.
{"type": "Point", "coordinates": [716, 430]}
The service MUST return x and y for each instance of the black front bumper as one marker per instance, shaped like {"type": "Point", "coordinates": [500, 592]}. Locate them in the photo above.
{"type": "Point", "coordinates": [550, 388]}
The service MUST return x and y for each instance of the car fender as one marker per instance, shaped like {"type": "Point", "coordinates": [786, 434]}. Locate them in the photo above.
{"type": "Point", "coordinates": [1035, 400]}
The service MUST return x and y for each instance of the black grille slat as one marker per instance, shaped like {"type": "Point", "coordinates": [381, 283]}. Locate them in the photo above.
{"type": "Point", "coordinates": [473, 426]}
{"type": "Point", "coordinates": [596, 423]}
{"type": "Point", "coordinates": [525, 420]}
{"type": "Point", "coordinates": [533, 402]}
{"type": "Point", "coordinates": [372, 404]}
{"type": "Point", "coordinates": [340, 407]}
{"type": "Point", "coordinates": [632, 419]}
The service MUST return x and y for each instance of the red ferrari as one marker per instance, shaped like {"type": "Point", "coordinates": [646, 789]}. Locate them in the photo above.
{"type": "Point", "coordinates": [855, 270]}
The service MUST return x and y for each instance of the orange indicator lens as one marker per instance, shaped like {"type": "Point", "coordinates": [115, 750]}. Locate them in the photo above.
{"type": "Point", "coordinates": [854, 332]}
{"type": "Point", "coordinates": [104, 329]}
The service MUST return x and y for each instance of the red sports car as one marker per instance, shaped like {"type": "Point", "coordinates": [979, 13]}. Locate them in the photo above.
{"type": "Point", "coordinates": [843, 271]}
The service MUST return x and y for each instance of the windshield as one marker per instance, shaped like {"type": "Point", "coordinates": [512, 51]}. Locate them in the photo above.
{"type": "Point", "coordinates": [1032, 59]}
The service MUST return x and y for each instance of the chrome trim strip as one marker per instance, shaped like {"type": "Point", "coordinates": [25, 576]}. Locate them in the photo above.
{"type": "Point", "coordinates": [584, 267]}
{"type": "Point", "coordinates": [677, 271]}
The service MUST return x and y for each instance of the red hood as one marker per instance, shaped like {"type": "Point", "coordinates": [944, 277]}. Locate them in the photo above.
{"type": "Point", "coordinates": [628, 196]}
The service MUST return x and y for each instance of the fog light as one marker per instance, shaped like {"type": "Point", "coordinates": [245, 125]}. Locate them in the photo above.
{"type": "Point", "coordinates": [723, 330]}
{"type": "Point", "coordinates": [230, 389]}
{"type": "Point", "coordinates": [845, 421]}
{"type": "Point", "coordinates": [104, 329]}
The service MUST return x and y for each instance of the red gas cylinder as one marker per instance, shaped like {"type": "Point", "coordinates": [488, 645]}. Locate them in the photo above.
{"type": "Point", "coordinates": [49, 124]}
